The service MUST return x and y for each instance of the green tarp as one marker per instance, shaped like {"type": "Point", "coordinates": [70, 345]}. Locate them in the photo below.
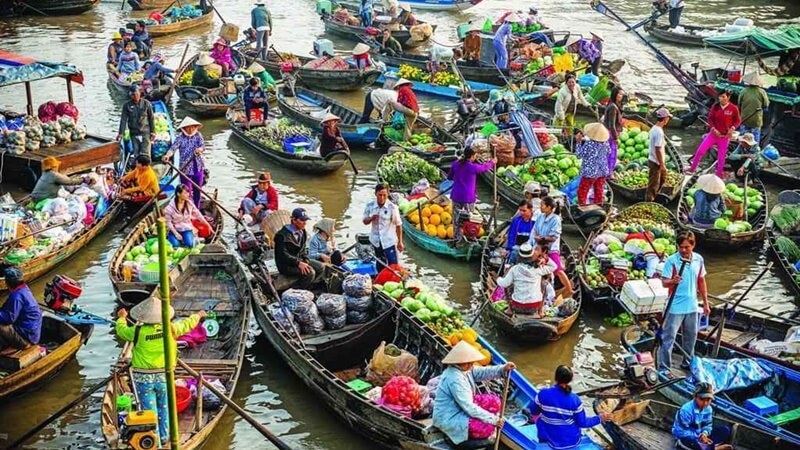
{"type": "Point", "coordinates": [785, 98]}
{"type": "Point", "coordinates": [766, 42]}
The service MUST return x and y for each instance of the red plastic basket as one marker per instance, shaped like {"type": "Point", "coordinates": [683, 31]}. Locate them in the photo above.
{"type": "Point", "coordinates": [183, 396]}
{"type": "Point", "coordinates": [546, 72]}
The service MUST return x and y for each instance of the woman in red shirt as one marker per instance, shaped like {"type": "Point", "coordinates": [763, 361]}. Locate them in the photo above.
{"type": "Point", "coordinates": [408, 100]}
{"type": "Point", "coordinates": [723, 120]}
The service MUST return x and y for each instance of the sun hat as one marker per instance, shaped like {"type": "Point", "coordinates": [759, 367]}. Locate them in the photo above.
{"type": "Point", "coordinates": [533, 8]}
{"type": "Point", "coordinates": [299, 214]}
{"type": "Point", "coordinates": [360, 49]}
{"type": "Point", "coordinates": [704, 390]}
{"type": "Point", "coordinates": [188, 122]}
{"type": "Point", "coordinates": [597, 132]}
{"type": "Point", "coordinates": [662, 113]}
{"type": "Point", "coordinates": [754, 79]}
{"type": "Point", "coordinates": [513, 17]}
{"type": "Point", "coordinates": [463, 353]}
{"type": "Point", "coordinates": [597, 36]}
{"type": "Point", "coordinates": [710, 183]}
{"type": "Point", "coordinates": [204, 60]}
{"type": "Point", "coordinates": [50, 163]}
{"type": "Point", "coordinates": [474, 27]}
{"type": "Point", "coordinates": [328, 117]}
{"type": "Point", "coordinates": [748, 139]}
{"type": "Point", "coordinates": [525, 251]}
{"type": "Point", "coordinates": [116, 35]}
{"type": "Point", "coordinates": [221, 41]}
{"type": "Point", "coordinates": [149, 311]}
{"type": "Point", "coordinates": [405, 7]}
{"type": "Point", "coordinates": [256, 68]}
{"type": "Point", "coordinates": [401, 82]}
{"type": "Point", "coordinates": [12, 274]}
{"type": "Point", "coordinates": [532, 187]}
{"type": "Point", "coordinates": [325, 225]}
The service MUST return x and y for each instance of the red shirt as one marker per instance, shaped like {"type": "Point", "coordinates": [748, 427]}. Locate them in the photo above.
{"type": "Point", "coordinates": [722, 119]}
{"type": "Point", "coordinates": [407, 98]}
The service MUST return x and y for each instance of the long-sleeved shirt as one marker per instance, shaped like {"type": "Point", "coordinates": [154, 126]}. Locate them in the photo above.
{"type": "Point", "coordinates": [318, 246]}
{"type": "Point", "coordinates": [707, 207]}
{"type": "Point", "coordinates": [464, 174]}
{"type": "Point", "coordinates": [268, 198]}
{"type": "Point", "coordinates": [249, 95]}
{"type": "Point", "coordinates": [137, 117]}
{"type": "Point", "coordinates": [547, 225]}
{"type": "Point", "coordinates": [561, 418]}
{"type": "Point", "coordinates": [518, 230]}
{"type": "Point", "coordinates": [741, 152]}
{"type": "Point", "coordinates": [260, 18]}
{"type": "Point", "coordinates": [223, 58]}
{"type": "Point", "coordinates": [594, 156]}
{"type": "Point", "coordinates": [128, 63]}
{"type": "Point", "coordinates": [145, 181]}
{"type": "Point", "coordinates": [753, 100]}
{"type": "Point", "coordinates": [568, 101]}
{"type": "Point", "coordinates": [691, 422]}
{"type": "Point", "coordinates": [329, 140]}
{"type": "Point", "coordinates": [148, 347]}
{"type": "Point", "coordinates": [502, 34]}
{"type": "Point", "coordinates": [155, 70]}
{"type": "Point", "coordinates": [612, 119]}
{"type": "Point", "coordinates": [392, 44]}
{"type": "Point", "coordinates": [179, 220]}
{"type": "Point", "coordinates": [527, 281]}
{"type": "Point", "coordinates": [21, 310]}
{"type": "Point", "coordinates": [453, 404]}
{"type": "Point", "coordinates": [200, 78]}
{"type": "Point", "coordinates": [49, 183]}
{"type": "Point", "coordinates": [382, 100]}
{"type": "Point", "coordinates": [290, 247]}
{"type": "Point", "coordinates": [723, 119]}
{"type": "Point", "coordinates": [407, 98]}
{"type": "Point", "coordinates": [186, 145]}
{"type": "Point", "coordinates": [472, 47]}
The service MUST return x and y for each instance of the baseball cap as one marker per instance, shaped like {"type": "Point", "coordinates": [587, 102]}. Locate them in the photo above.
{"type": "Point", "coordinates": [662, 113]}
{"type": "Point", "coordinates": [704, 390]}
{"type": "Point", "coordinates": [299, 214]}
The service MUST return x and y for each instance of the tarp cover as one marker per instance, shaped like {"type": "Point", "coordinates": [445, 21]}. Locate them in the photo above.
{"type": "Point", "coordinates": [20, 69]}
{"type": "Point", "coordinates": [775, 95]}
{"type": "Point", "coordinates": [766, 42]}
{"type": "Point", "coordinates": [729, 374]}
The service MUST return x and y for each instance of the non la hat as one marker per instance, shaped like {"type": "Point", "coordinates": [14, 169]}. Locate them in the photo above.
{"type": "Point", "coordinates": [525, 250]}
{"type": "Point", "coordinates": [325, 225]}
{"type": "Point", "coordinates": [754, 79]}
{"type": "Point", "coordinates": [256, 68]}
{"type": "Point", "coordinates": [597, 132]}
{"type": "Point", "coordinates": [360, 49]}
{"type": "Point", "coordinates": [463, 353]}
{"type": "Point", "coordinates": [405, 7]}
{"type": "Point", "coordinates": [597, 36]}
{"type": "Point", "coordinates": [149, 311]}
{"type": "Point", "coordinates": [401, 82]}
{"type": "Point", "coordinates": [513, 17]}
{"type": "Point", "coordinates": [748, 139]}
{"type": "Point", "coordinates": [188, 122]}
{"type": "Point", "coordinates": [329, 116]}
{"type": "Point", "coordinates": [711, 184]}
{"type": "Point", "coordinates": [204, 59]}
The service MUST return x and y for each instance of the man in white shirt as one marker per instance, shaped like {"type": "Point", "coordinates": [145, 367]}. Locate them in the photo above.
{"type": "Point", "coordinates": [675, 11]}
{"type": "Point", "coordinates": [656, 161]}
{"type": "Point", "coordinates": [382, 100]}
{"type": "Point", "coordinates": [386, 235]}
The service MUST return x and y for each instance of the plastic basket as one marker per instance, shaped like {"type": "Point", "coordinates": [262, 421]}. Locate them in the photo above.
{"type": "Point", "coordinates": [546, 72]}
{"type": "Point", "coordinates": [359, 385]}
{"type": "Point", "coordinates": [149, 273]}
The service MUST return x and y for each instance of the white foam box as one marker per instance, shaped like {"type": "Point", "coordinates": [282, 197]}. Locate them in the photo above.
{"type": "Point", "coordinates": [644, 296]}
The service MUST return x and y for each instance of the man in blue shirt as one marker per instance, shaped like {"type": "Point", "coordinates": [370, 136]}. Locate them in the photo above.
{"type": "Point", "coordinates": [261, 21]}
{"type": "Point", "coordinates": [684, 274]}
{"type": "Point", "coordinates": [20, 316]}
{"type": "Point", "coordinates": [693, 426]}
{"type": "Point", "coordinates": [519, 232]}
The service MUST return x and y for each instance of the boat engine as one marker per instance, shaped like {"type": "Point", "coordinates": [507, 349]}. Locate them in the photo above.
{"type": "Point", "coordinates": [61, 292]}
{"type": "Point", "coordinates": [640, 369]}
{"type": "Point", "coordinates": [139, 430]}
{"type": "Point", "coordinates": [249, 246]}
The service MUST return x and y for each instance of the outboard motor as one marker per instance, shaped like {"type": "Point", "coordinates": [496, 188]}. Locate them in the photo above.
{"type": "Point", "coordinates": [249, 246]}
{"type": "Point", "coordinates": [60, 293]}
{"type": "Point", "coordinates": [640, 369]}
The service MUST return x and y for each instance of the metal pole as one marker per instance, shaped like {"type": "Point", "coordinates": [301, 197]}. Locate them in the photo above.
{"type": "Point", "coordinates": [169, 339]}
{"type": "Point", "coordinates": [29, 96]}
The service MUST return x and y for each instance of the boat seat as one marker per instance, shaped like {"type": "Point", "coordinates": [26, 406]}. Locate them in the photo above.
{"type": "Point", "coordinates": [330, 335]}
{"type": "Point", "coordinates": [283, 282]}
{"type": "Point", "coordinates": [20, 359]}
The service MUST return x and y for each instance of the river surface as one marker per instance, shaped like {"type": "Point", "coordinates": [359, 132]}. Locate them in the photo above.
{"type": "Point", "coordinates": [267, 388]}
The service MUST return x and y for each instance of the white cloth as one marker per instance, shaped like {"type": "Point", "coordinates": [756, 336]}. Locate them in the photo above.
{"type": "Point", "coordinates": [382, 101]}
{"type": "Point", "coordinates": [657, 140]}
{"type": "Point", "coordinates": [383, 233]}
{"type": "Point", "coordinates": [527, 281]}
{"type": "Point", "coordinates": [264, 28]}
{"type": "Point", "coordinates": [564, 98]}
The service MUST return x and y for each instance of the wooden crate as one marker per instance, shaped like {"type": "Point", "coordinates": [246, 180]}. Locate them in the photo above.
{"type": "Point", "coordinates": [20, 359]}
{"type": "Point", "coordinates": [630, 412]}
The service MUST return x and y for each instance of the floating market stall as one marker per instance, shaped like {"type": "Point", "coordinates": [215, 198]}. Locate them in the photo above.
{"type": "Point", "coordinates": [428, 141]}
{"type": "Point", "coordinates": [177, 20]}
{"type": "Point", "coordinates": [783, 236]}
{"type": "Point", "coordinates": [209, 102]}
{"type": "Point", "coordinates": [694, 35]}
{"type": "Point", "coordinates": [316, 74]}
{"type": "Point", "coordinates": [123, 85]}
{"type": "Point", "coordinates": [344, 22]}
{"type": "Point", "coordinates": [433, 5]}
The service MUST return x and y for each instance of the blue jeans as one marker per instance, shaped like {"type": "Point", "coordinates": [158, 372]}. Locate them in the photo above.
{"type": "Point", "coordinates": [366, 18]}
{"type": "Point", "coordinates": [755, 130]}
{"type": "Point", "coordinates": [671, 326]}
{"type": "Point", "coordinates": [186, 236]}
{"type": "Point", "coordinates": [500, 55]}
{"type": "Point", "coordinates": [153, 397]}
{"type": "Point", "coordinates": [387, 255]}
{"type": "Point", "coordinates": [719, 435]}
{"type": "Point", "coordinates": [262, 44]}
{"type": "Point", "coordinates": [248, 204]}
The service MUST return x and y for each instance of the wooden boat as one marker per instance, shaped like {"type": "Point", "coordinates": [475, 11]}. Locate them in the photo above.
{"type": "Point", "coordinates": [728, 403]}
{"type": "Point", "coordinates": [354, 32]}
{"type": "Point", "coordinates": [786, 267]}
{"type": "Point", "coordinates": [691, 35]}
{"type": "Point", "coordinates": [124, 87]}
{"type": "Point", "coordinates": [722, 239]}
{"type": "Point", "coordinates": [130, 293]}
{"type": "Point", "coordinates": [309, 162]}
{"type": "Point", "coordinates": [29, 369]}
{"type": "Point", "coordinates": [138, 5]}
{"type": "Point", "coordinates": [442, 155]}
{"type": "Point", "coordinates": [524, 328]}
{"type": "Point", "coordinates": [215, 281]}
{"type": "Point", "coordinates": [788, 174]}
{"type": "Point", "coordinates": [483, 73]}
{"type": "Point", "coordinates": [176, 27]}
{"type": "Point", "coordinates": [207, 102]}
{"type": "Point", "coordinates": [47, 8]}
{"type": "Point", "coordinates": [432, 5]}
{"type": "Point", "coordinates": [647, 425]}
{"type": "Point", "coordinates": [38, 266]}
{"type": "Point", "coordinates": [308, 107]}
{"type": "Point", "coordinates": [441, 247]}
{"type": "Point", "coordinates": [318, 79]}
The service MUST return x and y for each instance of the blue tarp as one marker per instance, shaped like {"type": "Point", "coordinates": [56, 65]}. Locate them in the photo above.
{"type": "Point", "coordinates": [729, 374]}
{"type": "Point", "coordinates": [16, 69]}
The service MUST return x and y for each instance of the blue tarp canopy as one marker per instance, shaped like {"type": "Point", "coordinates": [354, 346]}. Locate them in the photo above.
{"type": "Point", "coordinates": [16, 69]}
{"type": "Point", "coordinates": [762, 42]}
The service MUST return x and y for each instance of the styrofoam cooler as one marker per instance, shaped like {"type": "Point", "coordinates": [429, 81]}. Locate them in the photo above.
{"type": "Point", "coordinates": [644, 296]}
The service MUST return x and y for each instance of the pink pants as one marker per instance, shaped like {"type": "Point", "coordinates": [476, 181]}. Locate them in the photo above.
{"type": "Point", "coordinates": [722, 151]}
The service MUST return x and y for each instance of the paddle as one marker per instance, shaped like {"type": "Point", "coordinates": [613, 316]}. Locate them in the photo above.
{"type": "Point", "coordinates": [502, 408]}
{"type": "Point", "coordinates": [174, 82]}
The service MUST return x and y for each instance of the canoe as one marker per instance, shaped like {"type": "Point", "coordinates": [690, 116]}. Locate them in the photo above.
{"type": "Point", "coordinates": [309, 162]}
{"type": "Point", "coordinates": [354, 32]}
{"type": "Point", "coordinates": [692, 35]}
{"type": "Point", "coordinates": [789, 176]}
{"type": "Point", "coordinates": [36, 267]}
{"type": "Point", "coordinates": [317, 79]}
{"type": "Point", "coordinates": [432, 5]}
{"type": "Point", "coordinates": [138, 5]}
{"type": "Point", "coordinates": [124, 87]}
{"type": "Point", "coordinates": [62, 341]}
{"type": "Point", "coordinates": [442, 156]}
{"type": "Point", "coordinates": [781, 386]}
{"type": "Point", "coordinates": [484, 73]}
{"type": "Point", "coordinates": [523, 328]}
{"type": "Point", "coordinates": [215, 281]}
{"type": "Point", "coordinates": [722, 239]}
{"type": "Point", "coordinates": [441, 247]}
{"type": "Point", "coordinates": [132, 292]}
{"type": "Point", "coordinates": [308, 107]}
{"type": "Point", "coordinates": [786, 268]}
{"type": "Point", "coordinates": [652, 429]}
{"type": "Point", "coordinates": [183, 25]}
{"type": "Point", "coordinates": [48, 8]}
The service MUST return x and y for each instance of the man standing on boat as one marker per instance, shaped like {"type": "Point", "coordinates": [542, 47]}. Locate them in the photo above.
{"type": "Point", "coordinates": [656, 161]}
{"type": "Point", "coordinates": [20, 316]}
{"type": "Point", "coordinates": [137, 118]}
{"type": "Point", "coordinates": [753, 102]}
{"type": "Point", "coordinates": [386, 234]}
{"type": "Point", "coordinates": [675, 11]}
{"type": "Point", "coordinates": [501, 38]}
{"type": "Point", "coordinates": [261, 21]}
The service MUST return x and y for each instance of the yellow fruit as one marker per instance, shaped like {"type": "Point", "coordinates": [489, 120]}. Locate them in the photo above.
{"type": "Point", "coordinates": [426, 212]}
{"type": "Point", "coordinates": [487, 357]}
{"type": "Point", "coordinates": [414, 217]}
{"type": "Point", "coordinates": [447, 219]}
{"type": "Point", "coordinates": [435, 219]}
{"type": "Point", "coordinates": [449, 208]}
{"type": "Point", "coordinates": [431, 230]}
{"type": "Point", "coordinates": [481, 232]}
{"type": "Point", "coordinates": [451, 232]}
{"type": "Point", "coordinates": [469, 335]}
{"type": "Point", "coordinates": [441, 232]}
{"type": "Point", "coordinates": [436, 209]}
{"type": "Point", "coordinates": [426, 220]}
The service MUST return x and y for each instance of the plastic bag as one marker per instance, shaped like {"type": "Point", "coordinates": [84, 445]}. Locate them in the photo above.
{"type": "Point", "coordinates": [298, 301]}
{"type": "Point", "coordinates": [477, 428]}
{"type": "Point", "coordinates": [311, 322]}
{"type": "Point", "coordinates": [284, 318]}
{"type": "Point", "coordinates": [47, 112]}
{"type": "Point", "coordinates": [361, 304]}
{"type": "Point", "coordinates": [334, 322]}
{"type": "Point", "coordinates": [331, 305]}
{"type": "Point", "coordinates": [382, 367]}
{"type": "Point", "coordinates": [358, 317]}
{"type": "Point", "coordinates": [67, 109]}
{"type": "Point", "coordinates": [357, 285]}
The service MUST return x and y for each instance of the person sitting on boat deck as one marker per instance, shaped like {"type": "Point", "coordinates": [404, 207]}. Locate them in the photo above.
{"type": "Point", "coordinates": [190, 145]}
{"type": "Point", "coordinates": [221, 54]}
{"type": "Point", "coordinates": [255, 98]}
{"type": "Point", "coordinates": [685, 288]}
{"type": "Point", "coordinates": [570, 96]}
{"type": "Point", "coordinates": [51, 181]}
{"type": "Point", "coordinates": [261, 21]}
{"type": "Point", "coordinates": [291, 254]}
{"type": "Point", "coordinates": [147, 359]}
{"type": "Point", "coordinates": [391, 8]}
{"type": "Point", "coordinates": [598, 60]}
{"type": "Point", "coordinates": [115, 49]}
{"type": "Point", "coordinates": [389, 45]}
{"type": "Point", "coordinates": [155, 72]}
{"type": "Point", "coordinates": [708, 202]}
{"type": "Point", "coordinates": [753, 103]}
{"type": "Point", "coordinates": [386, 231]}
{"type": "Point", "coordinates": [748, 157]}
{"type": "Point", "coordinates": [261, 73]}
{"type": "Point", "coordinates": [675, 11]}
{"type": "Point", "coordinates": [723, 120]}
{"type": "Point", "coordinates": [406, 17]}
{"type": "Point", "coordinates": [656, 160]}
{"type": "Point", "coordinates": [561, 413]}
{"type": "Point", "coordinates": [365, 12]}
{"type": "Point", "coordinates": [693, 427]}
{"type": "Point", "coordinates": [615, 123]}
{"type": "Point", "coordinates": [472, 45]}
{"type": "Point", "coordinates": [464, 174]}
{"type": "Point", "coordinates": [593, 150]}
{"type": "Point", "coordinates": [361, 56]}
{"type": "Point", "coordinates": [142, 39]}
{"type": "Point", "coordinates": [260, 201]}
{"type": "Point", "coordinates": [547, 230]}
{"type": "Point", "coordinates": [501, 38]}
{"type": "Point", "coordinates": [409, 107]}
{"type": "Point", "coordinates": [322, 246]}
{"type": "Point", "coordinates": [519, 231]}
{"type": "Point", "coordinates": [330, 138]}
{"type": "Point", "coordinates": [141, 183]}
{"type": "Point", "coordinates": [453, 404]}
{"type": "Point", "coordinates": [526, 278]}
{"type": "Point", "coordinates": [382, 100]}
{"type": "Point", "coordinates": [184, 220]}
{"type": "Point", "coordinates": [20, 315]}
{"type": "Point", "coordinates": [200, 74]}
{"type": "Point", "coordinates": [137, 118]}
{"type": "Point", "coordinates": [128, 61]}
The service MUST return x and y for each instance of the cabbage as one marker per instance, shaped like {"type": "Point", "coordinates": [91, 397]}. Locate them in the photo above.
{"type": "Point", "coordinates": [721, 223]}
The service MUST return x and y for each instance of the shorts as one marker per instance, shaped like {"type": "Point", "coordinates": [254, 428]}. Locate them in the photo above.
{"type": "Point", "coordinates": [556, 258]}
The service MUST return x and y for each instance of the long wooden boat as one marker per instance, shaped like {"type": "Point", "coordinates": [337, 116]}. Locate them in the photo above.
{"type": "Point", "coordinates": [318, 79]}
{"type": "Point", "coordinates": [781, 387]}
{"type": "Point", "coordinates": [308, 107]}
{"type": "Point", "coordinates": [67, 341]}
{"type": "Point", "coordinates": [449, 145]}
{"type": "Point", "coordinates": [176, 27]}
{"type": "Point", "coordinates": [652, 429]}
{"type": "Point", "coordinates": [309, 162]}
{"type": "Point", "coordinates": [48, 8]}
{"type": "Point", "coordinates": [124, 87]}
{"type": "Point", "coordinates": [691, 34]}
{"type": "Point", "coordinates": [207, 102]}
{"type": "Point", "coordinates": [788, 174]}
{"type": "Point", "coordinates": [432, 5]}
{"type": "Point", "coordinates": [138, 5]}
{"type": "Point", "coordinates": [354, 32]}
{"type": "Point", "coordinates": [786, 267]}
{"type": "Point", "coordinates": [216, 282]}
{"type": "Point", "coordinates": [482, 72]}
{"type": "Point", "coordinates": [710, 237]}
{"type": "Point", "coordinates": [441, 247]}
{"type": "Point", "coordinates": [525, 328]}
{"type": "Point", "coordinates": [132, 292]}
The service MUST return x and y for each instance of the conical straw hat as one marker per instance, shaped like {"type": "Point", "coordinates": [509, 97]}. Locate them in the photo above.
{"type": "Point", "coordinates": [597, 132]}
{"type": "Point", "coordinates": [463, 353]}
{"type": "Point", "coordinates": [711, 183]}
{"type": "Point", "coordinates": [149, 311]}
{"type": "Point", "coordinates": [188, 122]}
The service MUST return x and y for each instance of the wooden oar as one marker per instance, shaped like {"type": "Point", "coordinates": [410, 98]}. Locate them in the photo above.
{"type": "Point", "coordinates": [502, 409]}
{"type": "Point", "coordinates": [174, 82]}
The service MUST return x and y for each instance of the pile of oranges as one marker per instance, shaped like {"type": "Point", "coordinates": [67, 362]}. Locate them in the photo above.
{"type": "Point", "coordinates": [435, 220]}
{"type": "Point", "coordinates": [471, 336]}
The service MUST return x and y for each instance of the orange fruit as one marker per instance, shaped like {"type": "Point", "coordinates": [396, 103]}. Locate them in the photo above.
{"type": "Point", "coordinates": [414, 217]}
{"type": "Point", "coordinates": [426, 220]}
{"type": "Point", "coordinates": [436, 209]}
{"type": "Point", "coordinates": [441, 232]}
{"type": "Point", "coordinates": [451, 232]}
{"type": "Point", "coordinates": [487, 357]}
{"type": "Point", "coordinates": [481, 232]}
{"type": "Point", "coordinates": [447, 218]}
{"type": "Point", "coordinates": [435, 219]}
{"type": "Point", "coordinates": [426, 212]}
{"type": "Point", "coordinates": [431, 230]}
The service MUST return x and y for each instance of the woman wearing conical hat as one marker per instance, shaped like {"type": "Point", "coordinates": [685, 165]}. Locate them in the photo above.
{"type": "Point", "coordinates": [190, 146]}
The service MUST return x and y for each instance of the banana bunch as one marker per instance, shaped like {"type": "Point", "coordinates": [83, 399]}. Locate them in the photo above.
{"type": "Point", "coordinates": [410, 73]}
{"type": "Point", "coordinates": [446, 79]}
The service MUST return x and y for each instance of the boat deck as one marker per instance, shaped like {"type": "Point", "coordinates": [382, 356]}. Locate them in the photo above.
{"type": "Point", "coordinates": [774, 174]}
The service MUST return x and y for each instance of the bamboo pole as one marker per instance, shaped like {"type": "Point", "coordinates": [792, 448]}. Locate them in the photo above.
{"type": "Point", "coordinates": [169, 339]}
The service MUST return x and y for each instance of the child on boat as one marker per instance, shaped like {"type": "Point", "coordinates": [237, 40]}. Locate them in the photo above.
{"type": "Point", "coordinates": [322, 246]}
{"type": "Point", "coordinates": [526, 278]}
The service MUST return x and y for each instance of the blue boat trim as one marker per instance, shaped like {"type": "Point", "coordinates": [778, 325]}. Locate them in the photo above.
{"type": "Point", "coordinates": [449, 92]}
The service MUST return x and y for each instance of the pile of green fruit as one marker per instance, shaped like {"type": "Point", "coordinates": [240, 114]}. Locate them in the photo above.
{"type": "Point", "coordinates": [638, 178]}
{"type": "Point", "coordinates": [426, 305]}
{"type": "Point", "coordinates": [275, 132]}
{"type": "Point", "coordinates": [148, 252]}
{"type": "Point", "coordinates": [736, 194]}
{"type": "Point", "coordinates": [556, 167]}
{"type": "Point", "coordinates": [596, 279]}
{"type": "Point", "coordinates": [786, 218]}
{"type": "Point", "coordinates": [404, 169]}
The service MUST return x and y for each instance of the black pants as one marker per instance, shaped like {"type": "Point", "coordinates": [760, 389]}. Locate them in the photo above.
{"type": "Point", "coordinates": [368, 108]}
{"type": "Point", "coordinates": [675, 16]}
{"type": "Point", "coordinates": [10, 338]}
{"type": "Point", "coordinates": [306, 279]}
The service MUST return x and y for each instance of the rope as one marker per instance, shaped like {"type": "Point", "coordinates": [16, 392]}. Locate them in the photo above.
{"type": "Point", "coordinates": [782, 69]}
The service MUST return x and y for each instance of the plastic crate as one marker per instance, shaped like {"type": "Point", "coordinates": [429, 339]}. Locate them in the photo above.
{"type": "Point", "coordinates": [546, 72]}
{"type": "Point", "coordinates": [360, 267]}
{"type": "Point", "coordinates": [359, 385]}
{"type": "Point", "coordinates": [763, 406]}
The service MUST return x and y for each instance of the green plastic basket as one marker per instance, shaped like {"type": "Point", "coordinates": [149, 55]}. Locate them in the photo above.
{"type": "Point", "coordinates": [359, 385]}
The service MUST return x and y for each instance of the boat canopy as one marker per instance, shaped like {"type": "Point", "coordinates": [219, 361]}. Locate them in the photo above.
{"type": "Point", "coordinates": [764, 42]}
{"type": "Point", "coordinates": [15, 69]}
{"type": "Point", "coordinates": [774, 94]}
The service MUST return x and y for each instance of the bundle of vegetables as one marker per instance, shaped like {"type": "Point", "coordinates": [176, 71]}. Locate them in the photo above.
{"type": "Point", "coordinates": [786, 218]}
{"type": "Point", "coordinates": [15, 141]}
{"type": "Point", "coordinates": [477, 428]}
{"type": "Point", "coordinates": [186, 78]}
{"type": "Point", "coordinates": [633, 149]}
{"type": "Point", "coordinates": [33, 133]}
{"type": "Point", "coordinates": [404, 169]}
{"type": "Point", "coordinates": [638, 178]}
{"type": "Point", "coordinates": [426, 305]}
{"type": "Point", "coordinates": [51, 133]}
{"type": "Point", "coordinates": [599, 92]}
{"type": "Point", "coordinates": [556, 167]}
{"type": "Point", "coordinates": [276, 131]}
{"type": "Point", "coordinates": [788, 248]}
{"type": "Point", "coordinates": [401, 391]}
{"type": "Point", "coordinates": [134, 77]}
{"type": "Point", "coordinates": [620, 321]}
{"type": "Point", "coordinates": [737, 226]}
{"type": "Point", "coordinates": [538, 64]}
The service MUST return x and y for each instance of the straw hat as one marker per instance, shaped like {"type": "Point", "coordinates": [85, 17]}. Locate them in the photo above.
{"type": "Point", "coordinates": [326, 225]}
{"type": "Point", "coordinates": [188, 122]}
{"type": "Point", "coordinates": [50, 163]}
{"type": "Point", "coordinates": [525, 251]}
{"type": "Point", "coordinates": [711, 183]}
{"type": "Point", "coordinates": [513, 17]}
{"type": "Point", "coordinates": [463, 353]}
{"type": "Point", "coordinates": [221, 41]}
{"type": "Point", "coordinates": [401, 82]}
{"type": "Point", "coordinates": [256, 68]}
{"type": "Point", "coordinates": [754, 79]}
{"type": "Point", "coordinates": [405, 7]}
{"type": "Point", "coordinates": [474, 27]}
{"type": "Point", "coordinates": [360, 49]}
{"type": "Point", "coordinates": [149, 311]}
{"type": "Point", "coordinates": [328, 117]}
{"type": "Point", "coordinates": [748, 139]}
{"type": "Point", "coordinates": [596, 131]}
{"type": "Point", "coordinates": [204, 60]}
{"type": "Point", "coordinates": [596, 36]}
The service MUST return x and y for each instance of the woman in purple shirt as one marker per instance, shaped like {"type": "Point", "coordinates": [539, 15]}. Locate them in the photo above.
{"type": "Point", "coordinates": [190, 146]}
{"type": "Point", "coordinates": [464, 174]}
